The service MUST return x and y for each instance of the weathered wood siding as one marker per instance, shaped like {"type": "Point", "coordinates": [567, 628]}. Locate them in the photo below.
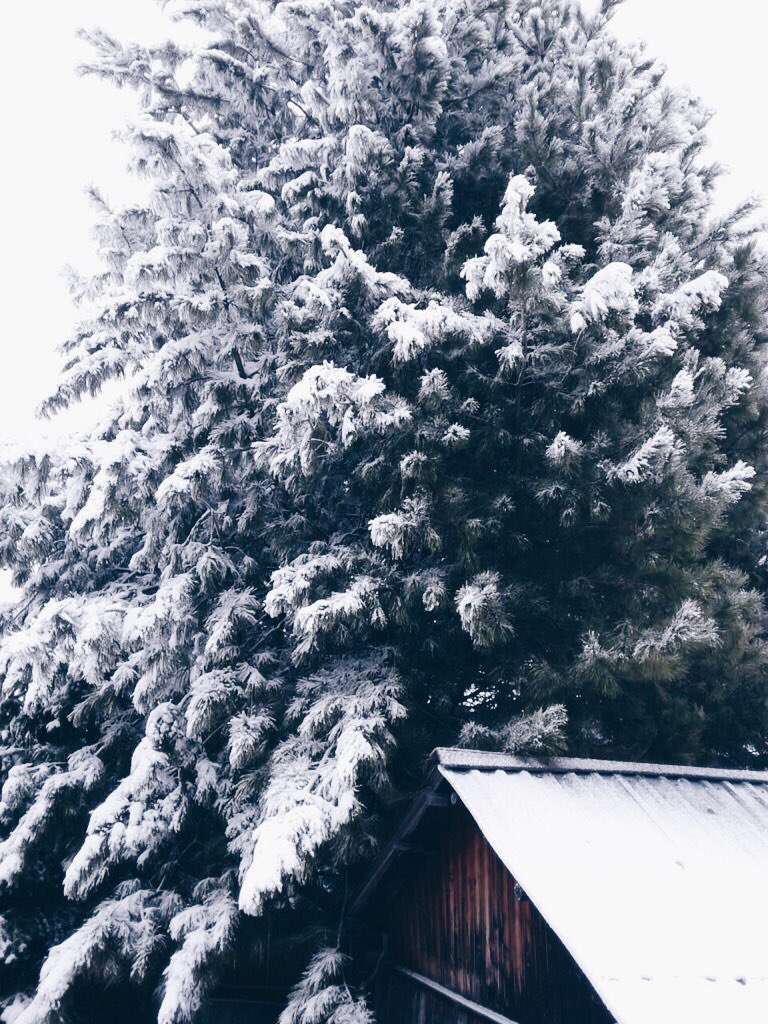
{"type": "Point", "coordinates": [403, 1001]}
{"type": "Point", "coordinates": [460, 920]}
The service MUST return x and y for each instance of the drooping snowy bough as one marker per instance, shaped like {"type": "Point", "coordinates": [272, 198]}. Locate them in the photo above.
{"type": "Point", "coordinates": [443, 420]}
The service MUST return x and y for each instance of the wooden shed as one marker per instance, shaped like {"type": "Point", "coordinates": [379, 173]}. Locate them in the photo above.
{"type": "Point", "coordinates": [524, 891]}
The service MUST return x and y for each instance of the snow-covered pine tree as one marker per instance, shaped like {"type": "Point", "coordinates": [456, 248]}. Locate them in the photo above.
{"type": "Point", "coordinates": [444, 421]}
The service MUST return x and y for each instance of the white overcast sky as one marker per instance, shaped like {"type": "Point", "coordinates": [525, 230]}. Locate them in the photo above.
{"type": "Point", "coordinates": [57, 136]}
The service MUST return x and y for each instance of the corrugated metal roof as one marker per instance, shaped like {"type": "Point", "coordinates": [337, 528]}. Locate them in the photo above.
{"type": "Point", "coordinates": [655, 880]}
{"type": "Point", "coordinates": [459, 757]}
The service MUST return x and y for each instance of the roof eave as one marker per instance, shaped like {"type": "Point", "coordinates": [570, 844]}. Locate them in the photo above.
{"type": "Point", "coordinates": [428, 797]}
{"type": "Point", "coordinates": [486, 760]}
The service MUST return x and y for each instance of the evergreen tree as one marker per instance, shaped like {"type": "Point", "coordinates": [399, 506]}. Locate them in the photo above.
{"type": "Point", "coordinates": [444, 421]}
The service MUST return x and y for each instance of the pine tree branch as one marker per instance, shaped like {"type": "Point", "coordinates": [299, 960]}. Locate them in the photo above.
{"type": "Point", "coordinates": [240, 366]}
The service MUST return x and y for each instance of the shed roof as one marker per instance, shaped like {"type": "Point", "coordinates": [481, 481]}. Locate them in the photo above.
{"type": "Point", "coordinates": [655, 877]}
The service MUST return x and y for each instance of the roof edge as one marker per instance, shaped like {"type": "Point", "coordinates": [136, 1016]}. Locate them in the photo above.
{"type": "Point", "coordinates": [458, 759]}
{"type": "Point", "coordinates": [426, 798]}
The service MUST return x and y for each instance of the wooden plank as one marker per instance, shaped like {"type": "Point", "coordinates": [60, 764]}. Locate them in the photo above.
{"type": "Point", "coordinates": [453, 997]}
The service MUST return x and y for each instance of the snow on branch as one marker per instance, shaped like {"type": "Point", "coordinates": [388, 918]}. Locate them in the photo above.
{"type": "Point", "coordinates": [688, 626]}
{"type": "Point", "coordinates": [57, 796]}
{"type": "Point", "coordinates": [482, 608]}
{"type": "Point", "coordinates": [703, 294]}
{"type": "Point", "coordinates": [341, 610]}
{"type": "Point", "coordinates": [564, 448]}
{"type": "Point", "coordinates": [540, 731]}
{"type": "Point", "coordinates": [191, 478]}
{"type": "Point", "coordinates": [234, 611]}
{"type": "Point", "coordinates": [327, 410]}
{"type": "Point", "coordinates": [354, 261]}
{"type": "Point", "coordinates": [147, 806]}
{"type": "Point", "coordinates": [291, 584]}
{"type": "Point", "coordinates": [114, 937]}
{"type": "Point", "coordinates": [521, 240]}
{"type": "Point", "coordinates": [399, 531]}
{"type": "Point", "coordinates": [413, 331]}
{"type": "Point", "coordinates": [649, 461]}
{"type": "Point", "coordinates": [731, 485]}
{"type": "Point", "coordinates": [343, 716]}
{"type": "Point", "coordinates": [323, 997]}
{"type": "Point", "coordinates": [609, 290]}
{"type": "Point", "coordinates": [77, 638]}
{"type": "Point", "coordinates": [205, 933]}
{"type": "Point", "coordinates": [681, 392]}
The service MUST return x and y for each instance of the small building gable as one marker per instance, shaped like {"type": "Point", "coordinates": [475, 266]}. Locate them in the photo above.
{"type": "Point", "coordinates": [575, 892]}
{"type": "Point", "coordinates": [462, 920]}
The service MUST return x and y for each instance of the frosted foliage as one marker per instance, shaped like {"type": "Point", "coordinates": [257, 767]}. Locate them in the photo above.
{"type": "Point", "coordinates": [204, 933]}
{"type": "Point", "coordinates": [541, 731]}
{"type": "Point", "coordinates": [167, 606]}
{"type": "Point", "coordinates": [511, 355]}
{"type": "Point", "coordinates": [650, 460]}
{"type": "Point", "coordinates": [482, 610]}
{"type": "Point", "coordinates": [350, 261]}
{"type": "Point", "coordinates": [212, 695]}
{"type": "Point", "coordinates": [383, 445]}
{"type": "Point", "coordinates": [342, 732]}
{"type": "Point", "coordinates": [434, 387]}
{"type": "Point", "coordinates": [521, 240]}
{"type": "Point", "coordinates": [703, 293]}
{"type": "Point", "coordinates": [431, 588]}
{"type": "Point", "coordinates": [738, 380]}
{"type": "Point", "coordinates": [731, 485]}
{"type": "Point", "coordinates": [336, 613]}
{"type": "Point", "coordinates": [120, 926]}
{"type": "Point", "coordinates": [298, 821]}
{"type": "Point", "coordinates": [247, 737]}
{"type": "Point", "coordinates": [362, 147]}
{"type": "Point", "coordinates": [108, 461]}
{"type": "Point", "coordinates": [396, 531]}
{"type": "Point", "coordinates": [235, 611]}
{"type": "Point", "coordinates": [689, 625]}
{"type": "Point", "coordinates": [21, 784]}
{"type": "Point", "coordinates": [332, 398]}
{"type": "Point", "coordinates": [563, 448]}
{"type": "Point", "coordinates": [82, 775]}
{"type": "Point", "coordinates": [610, 290]}
{"type": "Point", "coordinates": [681, 393]}
{"type": "Point", "coordinates": [137, 815]}
{"type": "Point", "coordinates": [413, 331]}
{"type": "Point", "coordinates": [190, 477]}
{"type": "Point", "coordinates": [339, 609]}
{"type": "Point", "coordinates": [293, 583]}
{"type": "Point", "coordinates": [81, 634]}
{"type": "Point", "coordinates": [660, 342]}
{"type": "Point", "coordinates": [456, 436]}
{"type": "Point", "coordinates": [551, 275]}
{"type": "Point", "coordinates": [323, 997]}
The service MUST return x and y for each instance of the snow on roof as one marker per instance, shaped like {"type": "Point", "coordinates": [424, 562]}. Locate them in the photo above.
{"type": "Point", "coordinates": [654, 877]}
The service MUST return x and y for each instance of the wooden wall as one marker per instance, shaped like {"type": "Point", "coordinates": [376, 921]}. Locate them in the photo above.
{"type": "Point", "coordinates": [460, 920]}
{"type": "Point", "coordinates": [402, 1001]}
